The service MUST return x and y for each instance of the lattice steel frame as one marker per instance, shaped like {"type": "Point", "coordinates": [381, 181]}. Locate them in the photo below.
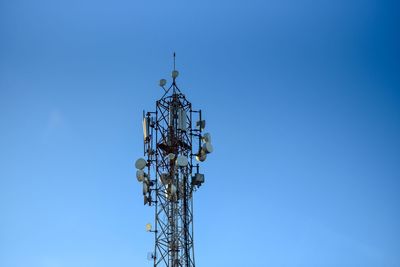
{"type": "Point", "coordinates": [174, 246]}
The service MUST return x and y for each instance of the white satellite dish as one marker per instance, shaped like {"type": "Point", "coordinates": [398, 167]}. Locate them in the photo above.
{"type": "Point", "coordinates": [148, 227]}
{"type": "Point", "coordinates": [140, 175]}
{"type": "Point", "coordinates": [207, 138]}
{"type": "Point", "coordinates": [140, 163]}
{"type": "Point", "coordinates": [175, 74]}
{"type": "Point", "coordinates": [171, 156]}
{"type": "Point", "coordinates": [202, 157]}
{"type": "Point", "coordinates": [208, 148]}
{"type": "Point", "coordinates": [182, 161]}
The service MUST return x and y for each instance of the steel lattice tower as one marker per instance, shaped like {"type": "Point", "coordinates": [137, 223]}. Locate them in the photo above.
{"type": "Point", "coordinates": [173, 146]}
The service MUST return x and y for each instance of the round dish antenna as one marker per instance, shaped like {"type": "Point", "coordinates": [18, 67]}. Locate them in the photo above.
{"type": "Point", "coordinates": [140, 163]}
{"type": "Point", "coordinates": [175, 74]}
{"type": "Point", "coordinates": [140, 175]}
{"type": "Point", "coordinates": [207, 138]}
{"type": "Point", "coordinates": [208, 148]}
{"type": "Point", "coordinates": [182, 161]}
{"type": "Point", "coordinates": [202, 157]}
{"type": "Point", "coordinates": [171, 156]}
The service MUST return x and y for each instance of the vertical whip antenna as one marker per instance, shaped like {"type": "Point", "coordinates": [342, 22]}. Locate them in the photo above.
{"type": "Point", "coordinates": [174, 59]}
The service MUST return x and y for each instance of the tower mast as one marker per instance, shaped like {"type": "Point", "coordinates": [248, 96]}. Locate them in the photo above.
{"type": "Point", "coordinates": [174, 145]}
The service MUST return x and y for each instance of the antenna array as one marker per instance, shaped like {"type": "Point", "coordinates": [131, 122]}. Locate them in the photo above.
{"type": "Point", "coordinates": [174, 143]}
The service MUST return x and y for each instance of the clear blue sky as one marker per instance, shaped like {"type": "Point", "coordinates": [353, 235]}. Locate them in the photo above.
{"type": "Point", "coordinates": [302, 99]}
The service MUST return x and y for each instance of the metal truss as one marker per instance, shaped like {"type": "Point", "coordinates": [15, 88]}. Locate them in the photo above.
{"type": "Point", "coordinates": [172, 140]}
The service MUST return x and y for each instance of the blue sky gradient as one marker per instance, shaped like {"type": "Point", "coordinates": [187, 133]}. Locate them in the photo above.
{"type": "Point", "coordinates": [302, 99]}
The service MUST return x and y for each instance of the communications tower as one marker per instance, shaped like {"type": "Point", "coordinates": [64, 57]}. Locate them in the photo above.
{"type": "Point", "coordinates": [174, 145]}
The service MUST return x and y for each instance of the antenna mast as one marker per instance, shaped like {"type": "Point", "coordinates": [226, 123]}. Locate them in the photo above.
{"type": "Point", "coordinates": [174, 60]}
{"type": "Point", "coordinates": [174, 144]}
